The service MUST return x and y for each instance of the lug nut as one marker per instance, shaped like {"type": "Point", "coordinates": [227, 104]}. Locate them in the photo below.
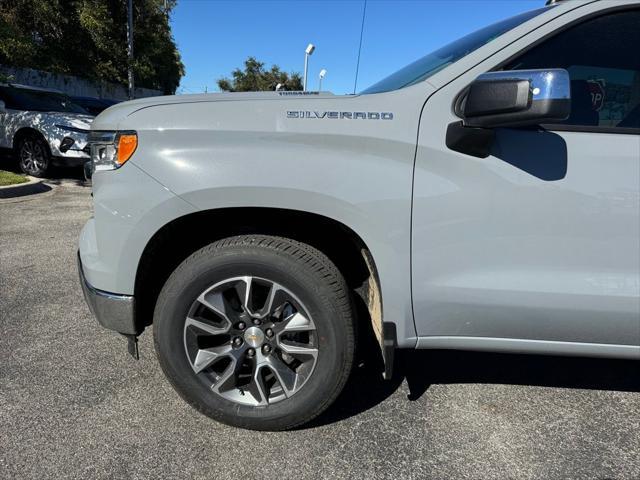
{"type": "Point", "coordinates": [266, 348]}
{"type": "Point", "coordinates": [237, 341]}
{"type": "Point", "coordinates": [251, 352]}
{"type": "Point", "coordinates": [269, 333]}
{"type": "Point", "coordinates": [256, 321]}
{"type": "Point", "coordinates": [241, 325]}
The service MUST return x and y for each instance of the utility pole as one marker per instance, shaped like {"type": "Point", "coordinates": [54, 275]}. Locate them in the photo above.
{"type": "Point", "coordinates": [130, 47]}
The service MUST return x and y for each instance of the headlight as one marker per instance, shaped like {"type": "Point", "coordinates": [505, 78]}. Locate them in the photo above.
{"type": "Point", "coordinates": [110, 150]}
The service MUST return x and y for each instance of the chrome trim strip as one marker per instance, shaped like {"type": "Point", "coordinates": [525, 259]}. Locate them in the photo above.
{"type": "Point", "coordinates": [545, 84]}
{"type": "Point", "coordinates": [517, 345]}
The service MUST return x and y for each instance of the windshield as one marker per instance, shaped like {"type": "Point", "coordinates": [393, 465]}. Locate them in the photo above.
{"type": "Point", "coordinates": [436, 61]}
{"type": "Point", "coordinates": [39, 101]}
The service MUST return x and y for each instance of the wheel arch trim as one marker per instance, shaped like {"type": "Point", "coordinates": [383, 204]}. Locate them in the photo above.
{"type": "Point", "coordinates": [22, 131]}
{"type": "Point", "coordinates": [371, 292]}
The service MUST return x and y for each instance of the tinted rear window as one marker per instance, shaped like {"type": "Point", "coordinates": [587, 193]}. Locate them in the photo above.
{"type": "Point", "coordinates": [38, 101]}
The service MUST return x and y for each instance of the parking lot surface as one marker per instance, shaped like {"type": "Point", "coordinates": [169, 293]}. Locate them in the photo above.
{"type": "Point", "coordinates": [73, 404]}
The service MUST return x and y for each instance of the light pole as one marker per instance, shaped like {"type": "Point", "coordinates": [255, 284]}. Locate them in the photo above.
{"type": "Point", "coordinates": [310, 48]}
{"type": "Point", "coordinates": [323, 72]}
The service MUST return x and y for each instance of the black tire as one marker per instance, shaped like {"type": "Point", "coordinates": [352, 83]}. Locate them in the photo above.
{"type": "Point", "coordinates": [304, 271]}
{"type": "Point", "coordinates": [33, 155]}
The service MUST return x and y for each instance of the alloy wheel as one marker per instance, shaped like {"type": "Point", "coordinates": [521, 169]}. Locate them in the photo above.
{"type": "Point", "coordinates": [251, 341]}
{"type": "Point", "coordinates": [33, 157]}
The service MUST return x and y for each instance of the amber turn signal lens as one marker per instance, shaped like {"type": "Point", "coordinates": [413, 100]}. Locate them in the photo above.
{"type": "Point", "coordinates": [127, 144]}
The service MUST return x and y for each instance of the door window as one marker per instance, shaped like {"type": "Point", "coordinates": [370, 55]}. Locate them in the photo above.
{"type": "Point", "coordinates": [603, 61]}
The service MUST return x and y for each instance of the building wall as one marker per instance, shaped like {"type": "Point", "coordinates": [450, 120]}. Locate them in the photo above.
{"type": "Point", "coordinates": [71, 85]}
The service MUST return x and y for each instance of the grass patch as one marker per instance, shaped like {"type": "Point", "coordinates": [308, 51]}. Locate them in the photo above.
{"type": "Point", "coordinates": [10, 178]}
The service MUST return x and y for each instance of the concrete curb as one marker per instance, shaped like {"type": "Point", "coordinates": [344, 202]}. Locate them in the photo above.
{"type": "Point", "coordinates": [32, 187]}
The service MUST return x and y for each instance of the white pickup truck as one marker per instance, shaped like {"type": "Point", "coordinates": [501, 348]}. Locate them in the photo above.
{"type": "Point", "coordinates": [485, 197]}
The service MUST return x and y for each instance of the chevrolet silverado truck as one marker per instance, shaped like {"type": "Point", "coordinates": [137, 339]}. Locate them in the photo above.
{"type": "Point", "coordinates": [485, 197]}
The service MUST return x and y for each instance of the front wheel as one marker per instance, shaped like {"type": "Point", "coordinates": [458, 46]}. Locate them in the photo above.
{"type": "Point", "coordinates": [256, 332]}
{"type": "Point", "coordinates": [33, 155]}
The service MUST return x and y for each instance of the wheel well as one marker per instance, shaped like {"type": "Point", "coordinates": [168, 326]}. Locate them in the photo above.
{"type": "Point", "coordinates": [26, 131]}
{"type": "Point", "coordinates": [177, 240]}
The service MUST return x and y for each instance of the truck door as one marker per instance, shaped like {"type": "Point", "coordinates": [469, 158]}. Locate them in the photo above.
{"type": "Point", "coordinates": [539, 241]}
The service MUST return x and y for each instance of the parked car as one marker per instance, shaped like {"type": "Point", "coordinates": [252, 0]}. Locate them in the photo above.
{"type": "Point", "coordinates": [42, 127]}
{"type": "Point", "coordinates": [93, 105]}
{"type": "Point", "coordinates": [485, 197]}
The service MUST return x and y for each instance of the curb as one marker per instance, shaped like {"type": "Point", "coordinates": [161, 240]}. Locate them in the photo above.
{"type": "Point", "coordinates": [33, 186]}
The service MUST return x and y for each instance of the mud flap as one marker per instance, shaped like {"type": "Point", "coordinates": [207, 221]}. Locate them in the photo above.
{"type": "Point", "coordinates": [132, 346]}
{"type": "Point", "coordinates": [389, 345]}
{"type": "Point", "coordinates": [385, 332]}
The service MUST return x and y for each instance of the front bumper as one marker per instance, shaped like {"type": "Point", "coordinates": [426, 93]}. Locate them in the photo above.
{"type": "Point", "coordinates": [113, 311]}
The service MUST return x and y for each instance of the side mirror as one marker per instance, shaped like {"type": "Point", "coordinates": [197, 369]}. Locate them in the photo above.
{"type": "Point", "coordinates": [516, 98]}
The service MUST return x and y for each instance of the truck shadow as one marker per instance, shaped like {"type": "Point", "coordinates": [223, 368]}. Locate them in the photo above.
{"type": "Point", "coordinates": [539, 153]}
{"type": "Point", "coordinates": [423, 368]}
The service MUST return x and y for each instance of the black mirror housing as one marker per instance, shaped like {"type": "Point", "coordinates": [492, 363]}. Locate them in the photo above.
{"type": "Point", "coordinates": [496, 97]}
{"type": "Point", "coordinates": [517, 98]}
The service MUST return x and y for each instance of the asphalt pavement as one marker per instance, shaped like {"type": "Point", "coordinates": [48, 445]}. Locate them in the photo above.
{"type": "Point", "coordinates": [73, 404]}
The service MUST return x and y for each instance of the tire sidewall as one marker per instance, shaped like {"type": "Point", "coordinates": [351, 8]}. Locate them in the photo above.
{"type": "Point", "coordinates": [192, 278]}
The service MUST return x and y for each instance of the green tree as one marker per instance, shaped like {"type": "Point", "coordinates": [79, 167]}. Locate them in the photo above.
{"type": "Point", "coordinates": [255, 78]}
{"type": "Point", "coordinates": [87, 38]}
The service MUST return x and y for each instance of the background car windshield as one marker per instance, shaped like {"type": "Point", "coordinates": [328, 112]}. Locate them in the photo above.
{"type": "Point", "coordinates": [39, 101]}
{"type": "Point", "coordinates": [436, 61]}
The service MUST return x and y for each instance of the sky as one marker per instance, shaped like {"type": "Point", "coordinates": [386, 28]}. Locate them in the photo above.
{"type": "Point", "coordinates": [216, 36]}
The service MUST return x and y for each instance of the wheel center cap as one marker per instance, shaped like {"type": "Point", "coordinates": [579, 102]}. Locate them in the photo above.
{"type": "Point", "coordinates": [254, 337]}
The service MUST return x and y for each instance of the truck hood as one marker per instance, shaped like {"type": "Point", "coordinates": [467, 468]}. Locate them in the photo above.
{"type": "Point", "coordinates": [111, 117]}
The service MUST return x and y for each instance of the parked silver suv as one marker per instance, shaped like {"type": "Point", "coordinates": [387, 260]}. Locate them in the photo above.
{"type": "Point", "coordinates": [485, 197]}
{"type": "Point", "coordinates": [42, 127]}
